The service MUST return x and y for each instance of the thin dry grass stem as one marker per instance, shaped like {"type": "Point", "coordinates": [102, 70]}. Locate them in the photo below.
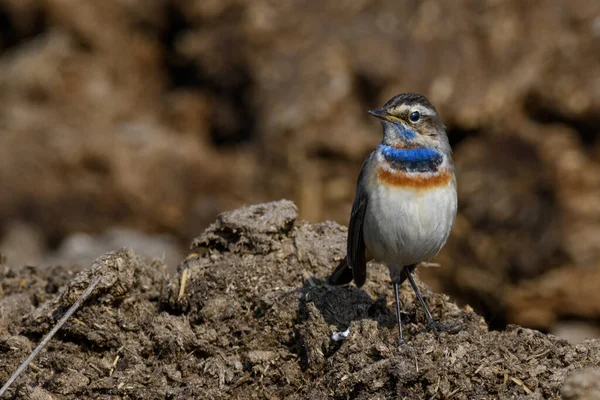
{"type": "Point", "coordinates": [184, 278]}
{"type": "Point", "coordinates": [49, 336]}
{"type": "Point", "coordinates": [114, 365]}
{"type": "Point", "coordinates": [519, 382]}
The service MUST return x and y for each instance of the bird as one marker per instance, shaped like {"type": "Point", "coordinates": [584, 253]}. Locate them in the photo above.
{"type": "Point", "coordinates": [406, 199]}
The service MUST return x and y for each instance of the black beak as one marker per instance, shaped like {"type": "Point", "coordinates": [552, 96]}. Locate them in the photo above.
{"type": "Point", "coordinates": [381, 114]}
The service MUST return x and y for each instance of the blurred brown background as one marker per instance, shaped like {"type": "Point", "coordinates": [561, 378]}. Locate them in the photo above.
{"type": "Point", "coordinates": [136, 122]}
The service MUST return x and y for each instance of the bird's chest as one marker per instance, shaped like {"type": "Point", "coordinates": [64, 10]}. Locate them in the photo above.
{"type": "Point", "coordinates": [407, 225]}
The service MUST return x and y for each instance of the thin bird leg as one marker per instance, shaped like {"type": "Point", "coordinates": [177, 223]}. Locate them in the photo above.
{"type": "Point", "coordinates": [430, 321]}
{"type": "Point", "coordinates": [397, 297]}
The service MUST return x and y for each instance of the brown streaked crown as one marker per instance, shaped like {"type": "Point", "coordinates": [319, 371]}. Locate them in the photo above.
{"type": "Point", "coordinates": [408, 99]}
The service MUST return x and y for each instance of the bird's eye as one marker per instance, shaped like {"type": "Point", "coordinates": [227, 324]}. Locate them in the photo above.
{"type": "Point", "coordinates": [414, 116]}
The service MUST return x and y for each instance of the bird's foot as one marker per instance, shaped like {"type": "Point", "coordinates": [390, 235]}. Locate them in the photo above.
{"type": "Point", "coordinates": [405, 345]}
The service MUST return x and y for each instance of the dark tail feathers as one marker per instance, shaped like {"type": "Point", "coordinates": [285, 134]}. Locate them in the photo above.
{"type": "Point", "coordinates": [342, 275]}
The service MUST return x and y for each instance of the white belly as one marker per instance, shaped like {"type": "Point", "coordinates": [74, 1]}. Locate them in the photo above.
{"type": "Point", "coordinates": [406, 226]}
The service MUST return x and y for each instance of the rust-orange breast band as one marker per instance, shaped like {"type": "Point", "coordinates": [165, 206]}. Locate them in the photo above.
{"type": "Point", "coordinates": [403, 179]}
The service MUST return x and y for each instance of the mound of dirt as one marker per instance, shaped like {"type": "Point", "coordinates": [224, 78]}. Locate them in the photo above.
{"type": "Point", "coordinates": [122, 113]}
{"type": "Point", "coordinates": [248, 315]}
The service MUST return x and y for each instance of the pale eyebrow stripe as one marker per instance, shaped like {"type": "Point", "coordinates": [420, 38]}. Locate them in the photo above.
{"type": "Point", "coordinates": [422, 109]}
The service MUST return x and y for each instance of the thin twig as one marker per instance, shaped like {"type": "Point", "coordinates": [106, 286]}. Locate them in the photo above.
{"type": "Point", "coordinates": [184, 278]}
{"type": "Point", "coordinates": [49, 336]}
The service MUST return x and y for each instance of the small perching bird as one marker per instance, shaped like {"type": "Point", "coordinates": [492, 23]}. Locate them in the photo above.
{"type": "Point", "coordinates": [405, 202]}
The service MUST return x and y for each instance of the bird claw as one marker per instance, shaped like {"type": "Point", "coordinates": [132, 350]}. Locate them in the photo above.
{"type": "Point", "coordinates": [404, 345]}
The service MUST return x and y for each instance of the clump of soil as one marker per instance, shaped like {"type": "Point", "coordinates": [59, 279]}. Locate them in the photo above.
{"type": "Point", "coordinates": [248, 315]}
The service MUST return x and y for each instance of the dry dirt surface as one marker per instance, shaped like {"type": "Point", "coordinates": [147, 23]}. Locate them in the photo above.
{"type": "Point", "coordinates": [155, 116]}
{"type": "Point", "coordinates": [248, 315]}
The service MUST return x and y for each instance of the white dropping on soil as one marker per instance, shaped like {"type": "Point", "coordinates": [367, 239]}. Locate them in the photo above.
{"type": "Point", "coordinates": [337, 336]}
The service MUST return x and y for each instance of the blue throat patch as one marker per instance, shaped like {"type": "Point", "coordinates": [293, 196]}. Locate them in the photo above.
{"type": "Point", "coordinates": [422, 159]}
{"type": "Point", "coordinates": [400, 130]}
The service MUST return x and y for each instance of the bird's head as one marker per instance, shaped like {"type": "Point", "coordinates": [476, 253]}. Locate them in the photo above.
{"type": "Point", "coordinates": [409, 120]}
